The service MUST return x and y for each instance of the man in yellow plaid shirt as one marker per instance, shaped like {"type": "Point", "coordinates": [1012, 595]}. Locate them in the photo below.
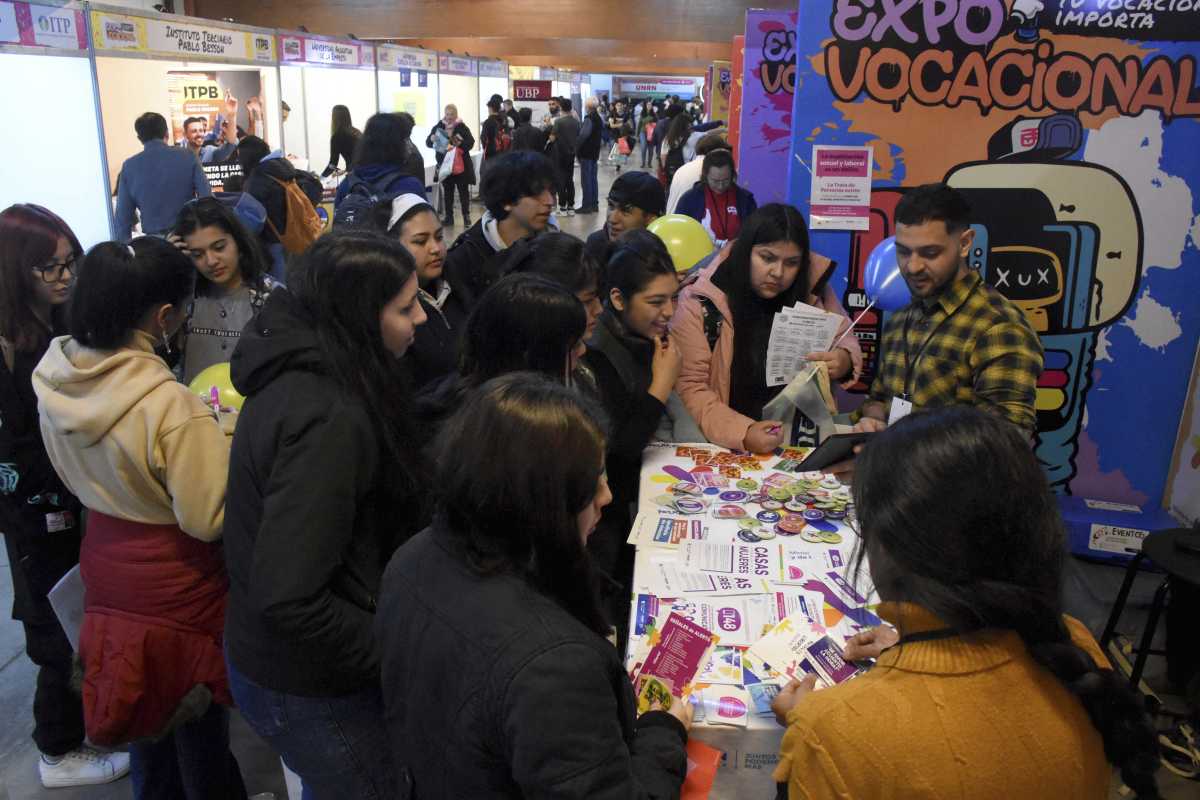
{"type": "Point", "coordinates": [959, 342]}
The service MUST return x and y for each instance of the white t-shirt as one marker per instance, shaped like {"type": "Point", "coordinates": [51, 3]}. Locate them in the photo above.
{"type": "Point", "coordinates": [685, 178]}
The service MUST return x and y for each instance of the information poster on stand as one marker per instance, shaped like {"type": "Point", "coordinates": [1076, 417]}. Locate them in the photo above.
{"type": "Point", "coordinates": [841, 188]}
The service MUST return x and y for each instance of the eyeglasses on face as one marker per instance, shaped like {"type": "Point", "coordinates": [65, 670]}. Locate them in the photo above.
{"type": "Point", "coordinates": [55, 271]}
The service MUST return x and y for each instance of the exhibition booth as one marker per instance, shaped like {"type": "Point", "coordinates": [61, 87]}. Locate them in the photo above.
{"type": "Point", "coordinates": [211, 81]}
{"type": "Point", "coordinates": [61, 165]}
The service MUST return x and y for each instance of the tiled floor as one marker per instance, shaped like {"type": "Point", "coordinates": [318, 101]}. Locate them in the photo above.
{"type": "Point", "coordinates": [1090, 589]}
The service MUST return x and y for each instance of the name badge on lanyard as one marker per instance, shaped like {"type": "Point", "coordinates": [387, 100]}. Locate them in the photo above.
{"type": "Point", "coordinates": [900, 409]}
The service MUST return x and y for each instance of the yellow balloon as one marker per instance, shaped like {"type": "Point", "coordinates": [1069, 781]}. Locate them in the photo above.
{"type": "Point", "coordinates": [217, 375]}
{"type": "Point", "coordinates": [685, 238]}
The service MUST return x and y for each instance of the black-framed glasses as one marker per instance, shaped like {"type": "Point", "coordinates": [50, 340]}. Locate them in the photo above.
{"type": "Point", "coordinates": [55, 271]}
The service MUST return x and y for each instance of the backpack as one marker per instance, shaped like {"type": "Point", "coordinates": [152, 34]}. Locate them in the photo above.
{"type": "Point", "coordinates": [501, 140]}
{"type": "Point", "coordinates": [361, 197]}
{"type": "Point", "coordinates": [303, 226]}
{"type": "Point", "coordinates": [674, 161]}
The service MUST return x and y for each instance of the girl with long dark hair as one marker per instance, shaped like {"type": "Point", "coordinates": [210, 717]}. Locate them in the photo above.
{"type": "Point", "coordinates": [991, 691]}
{"type": "Point", "coordinates": [510, 688]}
{"type": "Point", "coordinates": [149, 462]}
{"type": "Point", "coordinates": [39, 260]}
{"type": "Point", "coordinates": [386, 162]}
{"type": "Point", "coordinates": [523, 322]}
{"type": "Point", "coordinates": [723, 382]}
{"type": "Point", "coordinates": [343, 139]}
{"type": "Point", "coordinates": [231, 282]}
{"type": "Point", "coordinates": [324, 485]}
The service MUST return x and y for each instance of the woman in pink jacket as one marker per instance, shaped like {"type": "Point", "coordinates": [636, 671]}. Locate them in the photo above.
{"type": "Point", "coordinates": [769, 266]}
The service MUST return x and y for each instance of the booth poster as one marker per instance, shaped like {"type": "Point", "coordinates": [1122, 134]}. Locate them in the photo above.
{"type": "Point", "coordinates": [768, 80]}
{"type": "Point", "coordinates": [722, 87]}
{"type": "Point", "coordinates": [206, 99]}
{"type": "Point", "coordinates": [735, 94]}
{"type": "Point", "coordinates": [1073, 134]}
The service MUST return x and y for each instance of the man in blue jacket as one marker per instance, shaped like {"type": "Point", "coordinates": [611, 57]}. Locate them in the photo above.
{"type": "Point", "coordinates": [156, 182]}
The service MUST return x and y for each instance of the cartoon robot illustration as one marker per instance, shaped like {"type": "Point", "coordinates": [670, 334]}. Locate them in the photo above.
{"type": "Point", "coordinates": [1061, 239]}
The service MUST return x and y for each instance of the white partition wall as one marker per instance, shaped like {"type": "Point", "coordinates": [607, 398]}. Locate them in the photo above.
{"type": "Point", "coordinates": [493, 79]}
{"type": "Point", "coordinates": [408, 81]}
{"type": "Point", "coordinates": [458, 83]}
{"type": "Point", "coordinates": [320, 73]}
{"type": "Point", "coordinates": [55, 157]}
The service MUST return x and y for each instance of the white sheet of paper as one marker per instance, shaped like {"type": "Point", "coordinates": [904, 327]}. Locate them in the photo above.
{"type": "Point", "coordinates": [796, 332]}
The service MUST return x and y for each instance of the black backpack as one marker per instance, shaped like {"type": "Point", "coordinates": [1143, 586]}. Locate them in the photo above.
{"type": "Point", "coordinates": [674, 161]}
{"type": "Point", "coordinates": [361, 197]}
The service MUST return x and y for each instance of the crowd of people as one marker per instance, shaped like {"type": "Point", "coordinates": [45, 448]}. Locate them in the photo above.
{"type": "Point", "coordinates": [404, 560]}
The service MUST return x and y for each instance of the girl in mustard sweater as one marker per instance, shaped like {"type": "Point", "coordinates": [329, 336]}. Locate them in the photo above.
{"type": "Point", "coordinates": [990, 692]}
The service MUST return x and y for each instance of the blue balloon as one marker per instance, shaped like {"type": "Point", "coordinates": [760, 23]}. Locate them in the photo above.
{"type": "Point", "coordinates": [882, 280]}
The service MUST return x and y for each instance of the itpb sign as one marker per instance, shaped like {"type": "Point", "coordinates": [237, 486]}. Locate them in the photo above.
{"type": "Point", "coordinates": [532, 91]}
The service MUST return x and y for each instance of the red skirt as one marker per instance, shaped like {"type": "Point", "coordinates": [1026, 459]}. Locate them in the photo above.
{"type": "Point", "coordinates": [154, 617]}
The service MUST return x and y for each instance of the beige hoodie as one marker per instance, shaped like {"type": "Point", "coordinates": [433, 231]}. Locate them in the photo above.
{"type": "Point", "coordinates": [129, 440]}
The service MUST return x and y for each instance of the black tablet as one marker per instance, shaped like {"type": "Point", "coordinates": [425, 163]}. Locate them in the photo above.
{"type": "Point", "coordinates": [838, 447]}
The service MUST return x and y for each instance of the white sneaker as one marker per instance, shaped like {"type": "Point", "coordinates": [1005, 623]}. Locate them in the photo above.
{"type": "Point", "coordinates": [84, 766]}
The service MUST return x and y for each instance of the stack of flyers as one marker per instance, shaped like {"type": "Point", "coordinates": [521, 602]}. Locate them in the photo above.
{"type": "Point", "coordinates": [795, 647]}
{"type": "Point", "coordinates": [757, 560]}
{"type": "Point", "coordinates": [662, 530]}
{"type": "Point", "coordinates": [665, 577]}
{"type": "Point", "coordinates": [725, 666]}
{"type": "Point", "coordinates": [723, 705]}
{"type": "Point", "coordinates": [796, 332]}
{"type": "Point", "coordinates": [736, 620]}
{"type": "Point", "coordinates": [678, 650]}
{"type": "Point", "coordinates": [761, 695]}
{"type": "Point", "coordinates": [798, 564]}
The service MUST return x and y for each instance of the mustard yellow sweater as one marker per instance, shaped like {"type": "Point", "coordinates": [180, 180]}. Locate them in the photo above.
{"type": "Point", "coordinates": [947, 718]}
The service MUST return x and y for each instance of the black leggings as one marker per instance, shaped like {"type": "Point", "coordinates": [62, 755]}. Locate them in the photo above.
{"type": "Point", "coordinates": [464, 191]}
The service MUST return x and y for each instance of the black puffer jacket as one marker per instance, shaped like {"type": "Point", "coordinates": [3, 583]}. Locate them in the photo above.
{"type": "Point", "coordinates": [492, 690]}
{"type": "Point", "coordinates": [311, 515]}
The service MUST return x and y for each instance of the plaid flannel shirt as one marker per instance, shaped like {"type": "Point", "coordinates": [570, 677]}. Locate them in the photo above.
{"type": "Point", "coordinates": [968, 346]}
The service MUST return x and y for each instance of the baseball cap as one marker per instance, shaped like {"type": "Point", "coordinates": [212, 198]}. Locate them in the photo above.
{"type": "Point", "coordinates": [641, 190]}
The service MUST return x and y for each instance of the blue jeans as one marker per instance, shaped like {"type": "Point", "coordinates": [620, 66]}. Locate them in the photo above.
{"type": "Point", "coordinates": [590, 186]}
{"type": "Point", "coordinates": [339, 746]}
{"type": "Point", "coordinates": [193, 762]}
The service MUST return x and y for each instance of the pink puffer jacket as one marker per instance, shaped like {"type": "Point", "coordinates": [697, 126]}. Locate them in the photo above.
{"type": "Point", "coordinates": [703, 384]}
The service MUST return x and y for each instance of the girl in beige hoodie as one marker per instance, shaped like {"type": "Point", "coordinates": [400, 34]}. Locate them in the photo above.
{"type": "Point", "coordinates": [149, 461]}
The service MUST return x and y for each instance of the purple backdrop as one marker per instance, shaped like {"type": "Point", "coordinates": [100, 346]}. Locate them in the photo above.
{"type": "Point", "coordinates": [767, 87]}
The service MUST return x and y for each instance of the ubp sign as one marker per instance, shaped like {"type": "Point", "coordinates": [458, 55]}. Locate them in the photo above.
{"type": "Point", "coordinates": [532, 91]}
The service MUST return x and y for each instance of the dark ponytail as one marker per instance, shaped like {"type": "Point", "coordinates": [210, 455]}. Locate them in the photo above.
{"type": "Point", "coordinates": [956, 517]}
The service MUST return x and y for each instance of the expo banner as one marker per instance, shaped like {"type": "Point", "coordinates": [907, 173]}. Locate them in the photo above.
{"type": "Point", "coordinates": [454, 65]}
{"type": "Point", "coordinates": [301, 49]}
{"type": "Point", "coordinates": [735, 94]}
{"type": "Point", "coordinates": [493, 69]}
{"type": "Point", "coordinates": [1075, 144]}
{"type": "Point", "coordinates": [684, 87]}
{"type": "Point", "coordinates": [393, 57]}
{"type": "Point", "coordinates": [768, 80]}
{"type": "Point", "coordinates": [35, 25]}
{"type": "Point", "coordinates": [177, 39]}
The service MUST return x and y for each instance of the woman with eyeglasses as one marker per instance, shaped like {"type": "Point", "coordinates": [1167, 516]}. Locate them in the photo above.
{"type": "Point", "coordinates": [149, 461]}
{"type": "Point", "coordinates": [716, 200]}
{"type": "Point", "coordinates": [40, 518]}
{"type": "Point", "coordinates": [231, 282]}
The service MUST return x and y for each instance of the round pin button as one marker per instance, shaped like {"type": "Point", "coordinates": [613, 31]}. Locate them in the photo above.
{"type": "Point", "coordinates": [734, 496]}
{"type": "Point", "coordinates": [779, 493]}
{"type": "Point", "coordinates": [795, 506]}
{"type": "Point", "coordinates": [771, 505]}
{"type": "Point", "coordinates": [834, 513]}
{"type": "Point", "coordinates": [747, 484]}
{"type": "Point", "coordinates": [711, 490]}
{"type": "Point", "coordinates": [749, 536]}
{"type": "Point", "coordinates": [768, 516]}
{"type": "Point", "coordinates": [813, 514]}
{"type": "Point", "coordinates": [729, 511]}
{"type": "Point", "coordinates": [790, 526]}
{"type": "Point", "coordinates": [687, 505]}
{"type": "Point", "coordinates": [765, 533]}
